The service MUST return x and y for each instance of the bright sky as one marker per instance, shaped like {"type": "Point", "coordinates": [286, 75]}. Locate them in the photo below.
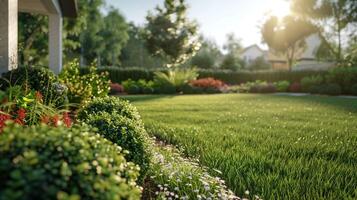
{"type": "Point", "coordinates": [216, 18]}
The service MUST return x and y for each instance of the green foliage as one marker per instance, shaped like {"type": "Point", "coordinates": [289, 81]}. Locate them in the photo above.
{"type": "Point", "coordinates": [115, 37]}
{"type": "Point", "coordinates": [135, 52]}
{"type": "Point", "coordinates": [118, 75]}
{"type": "Point", "coordinates": [120, 123]}
{"type": "Point", "coordinates": [262, 143]}
{"type": "Point", "coordinates": [309, 81]}
{"type": "Point", "coordinates": [82, 88]}
{"type": "Point", "coordinates": [127, 133]}
{"type": "Point", "coordinates": [109, 105]}
{"type": "Point", "coordinates": [59, 163]}
{"type": "Point", "coordinates": [173, 80]}
{"type": "Point", "coordinates": [282, 86]}
{"type": "Point", "coordinates": [138, 87]}
{"type": "Point", "coordinates": [38, 79]}
{"type": "Point", "coordinates": [175, 176]}
{"type": "Point", "coordinates": [327, 89]}
{"type": "Point", "coordinates": [346, 77]}
{"type": "Point", "coordinates": [354, 89]}
{"type": "Point", "coordinates": [231, 62]}
{"type": "Point", "coordinates": [259, 64]}
{"type": "Point", "coordinates": [208, 55]}
{"type": "Point", "coordinates": [170, 34]}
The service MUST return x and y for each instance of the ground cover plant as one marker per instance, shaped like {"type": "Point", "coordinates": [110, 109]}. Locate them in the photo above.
{"type": "Point", "coordinates": [277, 147]}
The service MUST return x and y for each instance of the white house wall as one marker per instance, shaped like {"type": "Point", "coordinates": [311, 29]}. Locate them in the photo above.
{"type": "Point", "coordinates": [8, 35]}
{"type": "Point", "coordinates": [251, 54]}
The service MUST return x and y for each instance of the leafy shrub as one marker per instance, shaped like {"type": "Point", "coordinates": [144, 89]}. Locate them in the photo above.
{"type": "Point", "coordinates": [308, 82]}
{"type": "Point", "coordinates": [109, 105]}
{"type": "Point", "coordinates": [346, 77]}
{"type": "Point", "coordinates": [208, 83]}
{"type": "Point", "coordinates": [354, 89]}
{"type": "Point", "coordinates": [39, 79]}
{"type": "Point", "coordinates": [81, 88]}
{"type": "Point", "coordinates": [295, 87]}
{"type": "Point", "coordinates": [173, 80]}
{"type": "Point", "coordinates": [58, 163]}
{"type": "Point", "coordinates": [116, 88]}
{"type": "Point", "coordinates": [125, 132]}
{"type": "Point", "coordinates": [119, 122]}
{"type": "Point", "coordinates": [330, 89]}
{"type": "Point", "coordinates": [138, 87]}
{"type": "Point", "coordinates": [282, 86]}
{"type": "Point", "coordinates": [267, 88]}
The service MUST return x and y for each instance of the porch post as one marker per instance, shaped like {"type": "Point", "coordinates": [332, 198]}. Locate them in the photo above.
{"type": "Point", "coordinates": [8, 35]}
{"type": "Point", "coordinates": [55, 43]}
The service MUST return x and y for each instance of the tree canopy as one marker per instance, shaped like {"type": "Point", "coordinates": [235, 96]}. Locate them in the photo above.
{"type": "Point", "coordinates": [170, 34]}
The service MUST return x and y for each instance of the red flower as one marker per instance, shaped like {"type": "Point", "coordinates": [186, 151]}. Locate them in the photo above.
{"type": "Point", "coordinates": [3, 119]}
{"type": "Point", "coordinates": [55, 120]}
{"type": "Point", "coordinates": [38, 96]}
{"type": "Point", "coordinates": [45, 119]}
{"type": "Point", "coordinates": [21, 114]}
{"type": "Point", "coordinates": [67, 119]}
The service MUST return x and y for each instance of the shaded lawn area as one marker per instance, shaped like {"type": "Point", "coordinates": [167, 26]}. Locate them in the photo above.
{"type": "Point", "coordinates": [277, 147]}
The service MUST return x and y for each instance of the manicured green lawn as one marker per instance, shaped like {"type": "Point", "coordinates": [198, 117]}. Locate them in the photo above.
{"type": "Point", "coordinates": [277, 147]}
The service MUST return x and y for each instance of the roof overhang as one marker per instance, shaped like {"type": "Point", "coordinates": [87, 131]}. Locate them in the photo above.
{"type": "Point", "coordinates": [67, 8]}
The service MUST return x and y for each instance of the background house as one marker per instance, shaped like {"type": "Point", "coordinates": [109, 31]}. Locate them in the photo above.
{"type": "Point", "coordinates": [251, 53]}
{"type": "Point", "coordinates": [306, 59]}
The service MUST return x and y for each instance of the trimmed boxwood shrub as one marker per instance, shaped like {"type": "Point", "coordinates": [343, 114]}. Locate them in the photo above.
{"type": "Point", "coordinates": [109, 105]}
{"type": "Point", "coordinates": [60, 163]}
{"type": "Point", "coordinates": [37, 78]}
{"type": "Point", "coordinates": [120, 122]}
{"type": "Point", "coordinates": [125, 132]}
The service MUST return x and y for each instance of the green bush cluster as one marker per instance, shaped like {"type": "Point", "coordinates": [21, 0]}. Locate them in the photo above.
{"type": "Point", "coordinates": [282, 86]}
{"type": "Point", "coordinates": [81, 88]}
{"type": "Point", "coordinates": [138, 87]}
{"type": "Point", "coordinates": [39, 79]}
{"type": "Point", "coordinates": [118, 75]}
{"type": "Point", "coordinates": [59, 163]}
{"type": "Point", "coordinates": [308, 83]}
{"type": "Point", "coordinates": [345, 77]}
{"type": "Point", "coordinates": [119, 122]}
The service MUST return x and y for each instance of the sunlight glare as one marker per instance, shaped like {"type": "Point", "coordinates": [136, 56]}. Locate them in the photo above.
{"type": "Point", "coordinates": [279, 8]}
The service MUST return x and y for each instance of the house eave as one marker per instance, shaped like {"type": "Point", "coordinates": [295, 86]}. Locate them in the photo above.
{"type": "Point", "coordinates": [69, 8]}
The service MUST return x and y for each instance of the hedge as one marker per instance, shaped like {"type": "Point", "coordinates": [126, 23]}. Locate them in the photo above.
{"type": "Point", "coordinates": [59, 163]}
{"type": "Point", "coordinates": [119, 122]}
{"type": "Point", "coordinates": [118, 75]}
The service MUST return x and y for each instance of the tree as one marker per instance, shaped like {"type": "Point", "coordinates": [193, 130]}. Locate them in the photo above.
{"type": "Point", "coordinates": [135, 53]}
{"type": "Point", "coordinates": [208, 55]}
{"type": "Point", "coordinates": [170, 34]}
{"type": "Point", "coordinates": [336, 21]}
{"type": "Point", "coordinates": [231, 59]}
{"type": "Point", "coordinates": [231, 62]}
{"type": "Point", "coordinates": [92, 43]}
{"type": "Point", "coordinates": [286, 36]}
{"type": "Point", "coordinates": [233, 45]}
{"type": "Point", "coordinates": [115, 37]}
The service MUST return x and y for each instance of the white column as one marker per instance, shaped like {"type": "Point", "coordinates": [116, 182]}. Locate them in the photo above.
{"type": "Point", "coordinates": [55, 43]}
{"type": "Point", "coordinates": [8, 35]}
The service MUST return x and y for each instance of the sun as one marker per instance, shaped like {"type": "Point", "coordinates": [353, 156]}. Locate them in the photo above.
{"type": "Point", "coordinates": [279, 8]}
